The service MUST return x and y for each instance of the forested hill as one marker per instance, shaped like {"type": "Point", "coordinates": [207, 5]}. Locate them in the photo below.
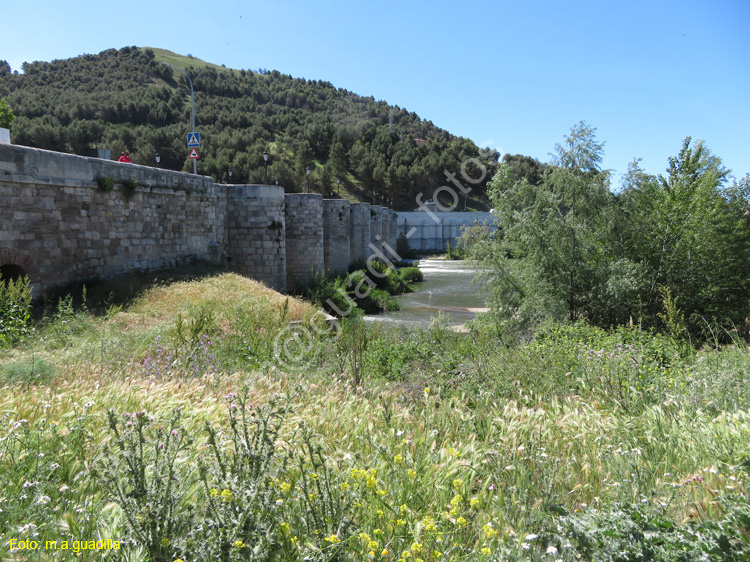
{"type": "Point", "coordinates": [128, 100]}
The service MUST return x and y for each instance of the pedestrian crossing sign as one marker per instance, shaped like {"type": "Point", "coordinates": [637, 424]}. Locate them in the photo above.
{"type": "Point", "coordinates": [193, 139]}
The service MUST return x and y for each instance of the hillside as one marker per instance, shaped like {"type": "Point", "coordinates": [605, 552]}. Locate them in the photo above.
{"type": "Point", "coordinates": [128, 100]}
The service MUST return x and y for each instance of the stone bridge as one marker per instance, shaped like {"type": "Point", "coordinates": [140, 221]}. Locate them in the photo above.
{"type": "Point", "coordinates": [67, 219]}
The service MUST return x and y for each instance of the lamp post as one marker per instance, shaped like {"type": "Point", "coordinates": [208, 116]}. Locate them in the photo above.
{"type": "Point", "coordinates": [229, 173]}
{"type": "Point", "coordinates": [338, 185]}
{"type": "Point", "coordinates": [277, 182]}
{"type": "Point", "coordinates": [158, 159]}
{"type": "Point", "coordinates": [308, 179]}
{"type": "Point", "coordinates": [192, 106]}
{"type": "Point", "coordinates": [265, 163]}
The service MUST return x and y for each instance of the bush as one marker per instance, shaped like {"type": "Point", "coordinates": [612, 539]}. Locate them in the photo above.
{"type": "Point", "coordinates": [411, 274]}
{"type": "Point", "coordinates": [15, 309]}
{"type": "Point", "coordinates": [105, 183]}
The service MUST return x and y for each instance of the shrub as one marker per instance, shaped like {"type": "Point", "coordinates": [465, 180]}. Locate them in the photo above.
{"type": "Point", "coordinates": [15, 309]}
{"type": "Point", "coordinates": [105, 183]}
{"type": "Point", "coordinates": [411, 274]}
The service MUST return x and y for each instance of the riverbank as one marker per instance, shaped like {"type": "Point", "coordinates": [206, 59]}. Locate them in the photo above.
{"type": "Point", "coordinates": [372, 443]}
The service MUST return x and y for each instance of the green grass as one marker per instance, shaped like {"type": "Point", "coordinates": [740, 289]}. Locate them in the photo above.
{"type": "Point", "coordinates": [174, 425]}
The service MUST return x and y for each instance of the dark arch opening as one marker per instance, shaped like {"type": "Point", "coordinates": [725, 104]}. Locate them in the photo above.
{"type": "Point", "coordinates": [11, 272]}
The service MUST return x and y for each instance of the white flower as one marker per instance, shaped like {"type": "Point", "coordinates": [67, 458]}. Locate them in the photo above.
{"type": "Point", "coordinates": [525, 545]}
{"type": "Point", "coordinates": [531, 537]}
{"type": "Point", "coordinates": [551, 550]}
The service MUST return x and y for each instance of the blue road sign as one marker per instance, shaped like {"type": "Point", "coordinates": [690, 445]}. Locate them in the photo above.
{"type": "Point", "coordinates": [193, 140]}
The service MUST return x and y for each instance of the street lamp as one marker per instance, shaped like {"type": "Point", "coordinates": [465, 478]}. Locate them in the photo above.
{"type": "Point", "coordinates": [308, 179]}
{"type": "Point", "coordinates": [338, 184]}
{"type": "Point", "coordinates": [229, 173]}
{"type": "Point", "coordinates": [277, 182]}
{"type": "Point", "coordinates": [192, 106]}
{"type": "Point", "coordinates": [265, 163]}
{"type": "Point", "coordinates": [158, 159]}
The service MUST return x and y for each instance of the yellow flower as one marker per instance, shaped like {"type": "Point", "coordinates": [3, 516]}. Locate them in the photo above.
{"type": "Point", "coordinates": [372, 545]}
{"type": "Point", "coordinates": [485, 550]}
{"type": "Point", "coordinates": [226, 495]}
{"type": "Point", "coordinates": [285, 487]}
{"type": "Point", "coordinates": [333, 539]}
{"type": "Point", "coordinates": [239, 544]}
{"type": "Point", "coordinates": [214, 492]}
{"type": "Point", "coordinates": [165, 542]}
{"type": "Point", "coordinates": [345, 486]}
{"type": "Point", "coordinates": [284, 527]}
{"type": "Point", "coordinates": [473, 502]}
{"type": "Point", "coordinates": [411, 473]}
{"type": "Point", "coordinates": [416, 548]}
{"type": "Point", "coordinates": [461, 522]}
{"type": "Point", "coordinates": [436, 554]}
{"type": "Point", "coordinates": [457, 483]}
{"type": "Point", "coordinates": [398, 459]}
{"type": "Point", "coordinates": [385, 552]}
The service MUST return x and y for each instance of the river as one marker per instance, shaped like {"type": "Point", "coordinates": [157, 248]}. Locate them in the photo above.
{"type": "Point", "coordinates": [448, 287]}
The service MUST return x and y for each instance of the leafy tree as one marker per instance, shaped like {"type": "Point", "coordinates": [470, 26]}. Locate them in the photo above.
{"type": "Point", "coordinates": [6, 115]}
{"type": "Point", "coordinates": [570, 249]}
{"type": "Point", "coordinates": [693, 236]}
{"type": "Point", "coordinates": [581, 150]}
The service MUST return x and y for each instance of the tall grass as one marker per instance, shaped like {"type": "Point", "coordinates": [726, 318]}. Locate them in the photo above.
{"type": "Point", "coordinates": [393, 445]}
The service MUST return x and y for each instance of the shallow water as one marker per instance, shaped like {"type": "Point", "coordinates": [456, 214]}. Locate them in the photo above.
{"type": "Point", "coordinates": [448, 287]}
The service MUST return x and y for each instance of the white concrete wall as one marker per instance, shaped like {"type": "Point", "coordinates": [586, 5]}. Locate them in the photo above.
{"type": "Point", "coordinates": [433, 231]}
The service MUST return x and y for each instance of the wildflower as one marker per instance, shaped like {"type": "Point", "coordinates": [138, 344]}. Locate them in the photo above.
{"type": "Point", "coordinates": [333, 539]}
{"type": "Point", "coordinates": [385, 552]}
{"type": "Point", "coordinates": [461, 522]}
{"type": "Point", "coordinates": [485, 550]}
{"type": "Point", "coordinates": [525, 545]}
{"type": "Point", "coordinates": [239, 544]}
{"type": "Point", "coordinates": [551, 550]}
{"type": "Point", "coordinates": [285, 487]}
{"type": "Point", "coordinates": [398, 459]}
{"type": "Point", "coordinates": [457, 483]}
{"type": "Point", "coordinates": [165, 542]}
{"type": "Point", "coordinates": [473, 502]}
{"type": "Point", "coordinates": [372, 545]}
{"type": "Point", "coordinates": [226, 495]}
{"type": "Point", "coordinates": [284, 527]}
{"type": "Point", "coordinates": [436, 554]}
{"type": "Point", "coordinates": [411, 473]}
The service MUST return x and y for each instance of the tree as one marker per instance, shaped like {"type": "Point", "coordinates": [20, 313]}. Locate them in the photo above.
{"type": "Point", "coordinates": [693, 236]}
{"type": "Point", "coordinates": [6, 115]}
{"type": "Point", "coordinates": [553, 258]}
{"type": "Point", "coordinates": [580, 151]}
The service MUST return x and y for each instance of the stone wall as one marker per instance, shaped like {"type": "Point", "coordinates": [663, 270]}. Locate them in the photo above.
{"type": "Point", "coordinates": [60, 227]}
{"type": "Point", "coordinates": [255, 226]}
{"type": "Point", "coordinates": [66, 218]}
{"type": "Point", "coordinates": [336, 243]}
{"type": "Point", "coordinates": [304, 237]}
{"type": "Point", "coordinates": [359, 232]}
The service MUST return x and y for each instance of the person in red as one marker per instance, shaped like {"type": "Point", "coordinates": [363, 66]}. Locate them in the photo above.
{"type": "Point", "coordinates": [124, 158]}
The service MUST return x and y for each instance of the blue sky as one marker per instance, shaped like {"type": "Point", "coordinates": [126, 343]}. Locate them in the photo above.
{"type": "Point", "coordinates": [512, 75]}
